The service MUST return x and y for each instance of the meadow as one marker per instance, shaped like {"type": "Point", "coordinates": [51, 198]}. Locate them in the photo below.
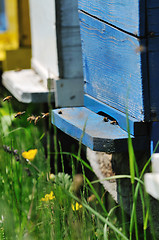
{"type": "Point", "coordinates": [40, 200]}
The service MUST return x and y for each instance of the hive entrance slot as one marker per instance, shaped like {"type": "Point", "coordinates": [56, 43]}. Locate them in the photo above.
{"type": "Point", "coordinates": [107, 118]}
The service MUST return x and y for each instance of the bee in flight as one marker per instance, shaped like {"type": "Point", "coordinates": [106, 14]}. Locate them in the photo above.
{"type": "Point", "coordinates": [31, 118]}
{"type": "Point", "coordinates": [19, 114]}
{"type": "Point", "coordinates": [37, 119]}
{"type": "Point", "coordinates": [45, 115]}
{"type": "Point", "coordinates": [8, 98]}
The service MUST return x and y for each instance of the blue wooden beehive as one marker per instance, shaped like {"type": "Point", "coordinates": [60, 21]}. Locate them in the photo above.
{"type": "Point", "coordinates": [3, 22]}
{"type": "Point", "coordinates": [120, 47]}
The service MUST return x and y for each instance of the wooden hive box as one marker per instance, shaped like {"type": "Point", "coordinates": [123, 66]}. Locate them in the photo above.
{"type": "Point", "coordinates": [120, 47]}
{"type": "Point", "coordinates": [56, 55]}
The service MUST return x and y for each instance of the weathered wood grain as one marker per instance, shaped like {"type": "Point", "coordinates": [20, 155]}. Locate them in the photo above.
{"type": "Point", "coordinates": [124, 14]}
{"type": "Point", "coordinates": [90, 128]}
{"type": "Point", "coordinates": [114, 67]}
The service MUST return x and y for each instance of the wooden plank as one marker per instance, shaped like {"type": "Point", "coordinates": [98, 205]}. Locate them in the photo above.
{"type": "Point", "coordinates": [68, 39]}
{"type": "Point", "coordinates": [115, 70]}
{"type": "Point", "coordinates": [26, 86]}
{"type": "Point", "coordinates": [43, 35]}
{"type": "Point", "coordinates": [135, 127]}
{"type": "Point", "coordinates": [60, 31]}
{"type": "Point", "coordinates": [70, 53]}
{"type": "Point", "coordinates": [153, 64]}
{"type": "Point", "coordinates": [68, 92]}
{"type": "Point", "coordinates": [90, 128]}
{"type": "Point", "coordinates": [67, 11]}
{"type": "Point", "coordinates": [153, 20]}
{"type": "Point", "coordinates": [126, 15]}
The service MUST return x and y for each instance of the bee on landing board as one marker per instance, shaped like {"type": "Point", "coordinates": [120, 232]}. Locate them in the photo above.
{"type": "Point", "coordinates": [19, 114]}
{"type": "Point", "coordinates": [31, 118]}
{"type": "Point", "coordinates": [45, 115]}
{"type": "Point", "coordinates": [113, 122]}
{"type": "Point", "coordinates": [8, 98]}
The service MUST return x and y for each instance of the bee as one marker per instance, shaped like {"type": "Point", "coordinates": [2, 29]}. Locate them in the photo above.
{"type": "Point", "coordinates": [37, 119]}
{"type": "Point", "coordinates": [105, 119]}
{"type": "Point", "coordinates": [113, 122]}
{"type": "Point", "coordinates": [59, 112]}
{"type": "Point", "coordinates": [31, 118]}
{"type": "Point", "coordinates": [140, 49]}
{"type": "Point", "coordinates": [19, 114]}
{"type": "Point", "coordinates": [45, 115]}
{"type": "Point", "coordinates": [8, 98]}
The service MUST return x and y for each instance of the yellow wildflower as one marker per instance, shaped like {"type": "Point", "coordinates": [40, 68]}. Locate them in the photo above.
{"type": "Point", "coordinates": [48, 197]}
{"type": "Point", "coordinates": [76, 207]}
{"type": "Point", "coordinates": [30, 155]}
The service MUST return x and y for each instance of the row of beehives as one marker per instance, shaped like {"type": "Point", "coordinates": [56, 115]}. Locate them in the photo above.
{"type": "Point", "coordinates": [56, 61]}
{"type": "Point", "coordinates": [119, 49]}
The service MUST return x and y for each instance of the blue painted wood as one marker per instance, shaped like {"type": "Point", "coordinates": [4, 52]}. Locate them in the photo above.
{"type": "Point", "coordinates": [124, 14]}
{"type": "Point", "coordinates": [88, 127]}
{"type": "Point", "coordinates": [115, 68]}
{"type": "Point", "coordinates": [136, 127]}
{"type": "Point", "coordinates": [3, 20]}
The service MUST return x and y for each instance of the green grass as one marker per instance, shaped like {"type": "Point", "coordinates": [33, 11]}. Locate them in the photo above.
{"type": "Point", "coordinates": [23, 185]}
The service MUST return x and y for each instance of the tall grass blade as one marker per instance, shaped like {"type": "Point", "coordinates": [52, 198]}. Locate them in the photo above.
{"type": "Point", "coordinates": [104, 220]}
{"type": "Point", "coordinates": [97, 196]}
{"type": "Point", "coordinates": [131, 153]}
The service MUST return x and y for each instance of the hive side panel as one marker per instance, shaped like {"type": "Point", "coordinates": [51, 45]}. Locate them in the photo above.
{"type": "Point", "coordinates": [114, 66]}
{"type": "Point", "coordinates": [126, 15]}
